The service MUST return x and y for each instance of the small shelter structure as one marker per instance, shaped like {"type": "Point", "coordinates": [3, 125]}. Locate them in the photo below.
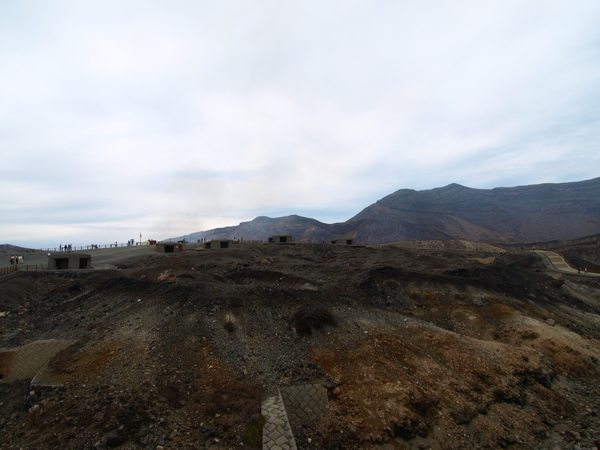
{"type": "Point", "coordinates": [280, 239]}
{"type": "Point", "coordinates": [69, 261]}
{"type": "Point", "coordinates": [343, 241]}
{"type": "Point", "coordinates": [170, 247]}
{"type": "Point", "coordinates": [218, 244]}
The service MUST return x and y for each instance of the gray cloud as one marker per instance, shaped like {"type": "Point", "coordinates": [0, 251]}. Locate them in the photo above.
{"type": "Point", "coordinates": [121, 117]}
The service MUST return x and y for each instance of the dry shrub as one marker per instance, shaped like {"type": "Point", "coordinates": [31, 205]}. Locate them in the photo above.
{"type": "Point", "coordinates": [312, 317]}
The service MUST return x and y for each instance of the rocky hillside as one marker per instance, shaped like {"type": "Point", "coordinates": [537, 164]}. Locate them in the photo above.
{"type": "Point", "coordinates": [519, 214]}
{"type": "Point", "coordinates": [261, 228]}
{"type": "Point", "coordinates": [451, 346]}
{"type": "Point", "coordinates": [503, 215]}
{"type": "Point", "coordinates": [11, 248]}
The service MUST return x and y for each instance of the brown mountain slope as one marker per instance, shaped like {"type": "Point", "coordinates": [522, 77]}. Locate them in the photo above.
{"type": "Point", "coordinates": [502, 215]}
{"type": "Point", "coordinates": [518, 214]}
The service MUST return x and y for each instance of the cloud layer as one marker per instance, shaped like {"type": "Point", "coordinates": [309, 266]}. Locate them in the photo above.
{"type": "Point", "coordinates": [123, 117]}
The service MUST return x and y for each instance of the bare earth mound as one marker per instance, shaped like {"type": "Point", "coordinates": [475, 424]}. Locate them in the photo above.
{"type": "Point", "coordinates": [453, 347]}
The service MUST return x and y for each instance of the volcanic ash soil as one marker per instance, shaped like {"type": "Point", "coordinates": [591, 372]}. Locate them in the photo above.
{"type": "Point", "coordinates": [417, 348]}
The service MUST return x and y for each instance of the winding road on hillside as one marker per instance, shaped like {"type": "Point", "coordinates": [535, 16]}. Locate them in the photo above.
{"type": "Point", "coordinates": [557, 262]}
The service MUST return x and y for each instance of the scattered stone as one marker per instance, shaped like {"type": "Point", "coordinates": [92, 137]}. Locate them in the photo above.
{"type": "Point", "coordinates": [34, 408]}
{"type": "Point", "coordinates": [572, 435]}
{"type": "Point", "coordinates": [180, 347]}
{"type": "Point", "coordinates": [168, 276]}
{"type": "Point", "coordinates": [113, 439]}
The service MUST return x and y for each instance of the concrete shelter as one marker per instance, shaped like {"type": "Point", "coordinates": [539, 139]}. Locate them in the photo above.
{"type": "Point", "coordinates": [218, 244]}
{"type": "Point", "coordinates": [343, 241]}
{"type": "Point", "coordinates": [170, 247]}
{"type": "Point", "coordinates": [69, 261]}
{"type": "Point", "coordinates": [280, 239]}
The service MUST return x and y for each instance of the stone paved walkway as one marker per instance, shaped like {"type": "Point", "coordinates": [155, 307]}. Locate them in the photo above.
{"type": "Point", "coordinates": [304, 403]}
{"type": "Point", "coordinates": [277, 433]}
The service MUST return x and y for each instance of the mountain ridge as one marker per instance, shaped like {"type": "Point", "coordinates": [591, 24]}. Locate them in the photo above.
{"type": "Point", "coordinates": [539, 212]}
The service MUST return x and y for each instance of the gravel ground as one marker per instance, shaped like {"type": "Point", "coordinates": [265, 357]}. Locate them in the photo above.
{"type": "Point", "coordinates": [418, 349]}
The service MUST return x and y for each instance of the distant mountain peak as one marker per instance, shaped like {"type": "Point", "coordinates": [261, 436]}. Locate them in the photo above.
{"type": "Point", "coordinates": [519, 214]}
{"type": "Point", "coordinates": [455, 186]}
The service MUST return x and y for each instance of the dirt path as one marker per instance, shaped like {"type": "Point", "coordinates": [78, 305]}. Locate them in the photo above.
{"type": "Point", "coordinates": [557, 262]}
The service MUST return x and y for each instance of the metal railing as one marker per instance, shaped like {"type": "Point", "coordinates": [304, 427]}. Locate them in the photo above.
{"type": "Point", "coordinates": [8, 269]}
{"type": "Point", "coordinates": [78, 247]}
{"type": "Point", "coordinates": [30, 267]}
{"type": "Point", "coordinates": [21, 267]}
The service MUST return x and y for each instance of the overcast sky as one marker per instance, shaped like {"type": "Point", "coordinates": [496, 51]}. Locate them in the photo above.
{"type": "Point", "coordinates": [165, 118]}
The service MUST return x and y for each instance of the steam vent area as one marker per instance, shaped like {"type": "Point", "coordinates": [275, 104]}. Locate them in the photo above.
{"type": "Point", "coordinates": [227, 343]}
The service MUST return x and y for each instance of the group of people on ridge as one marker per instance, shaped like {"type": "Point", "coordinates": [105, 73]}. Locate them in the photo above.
{"type": "Point", "coordinates": [16, 259]}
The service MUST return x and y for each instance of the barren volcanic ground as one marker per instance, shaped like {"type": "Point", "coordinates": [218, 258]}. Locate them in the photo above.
{"type": "Point", "coordinates": [417, 348]}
